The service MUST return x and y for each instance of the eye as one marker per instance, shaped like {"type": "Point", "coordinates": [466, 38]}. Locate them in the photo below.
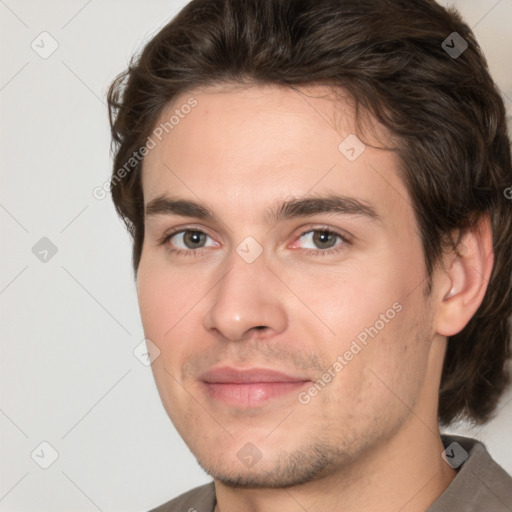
{"type": "Point", "coordinates": [187, 241]}
{"type": "Point", "coordinates": [323, 241]}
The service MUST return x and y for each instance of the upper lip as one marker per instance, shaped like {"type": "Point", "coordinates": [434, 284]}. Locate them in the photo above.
{"type": "Point", "coordinates": [247, 375]}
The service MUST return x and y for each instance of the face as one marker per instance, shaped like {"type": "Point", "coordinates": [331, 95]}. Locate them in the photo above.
{"type": "Point", "coordinates": [282, 280]}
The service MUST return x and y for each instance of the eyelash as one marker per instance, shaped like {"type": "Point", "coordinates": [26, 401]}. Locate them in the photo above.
{"type": "Point", "coordinates": [311, 252]}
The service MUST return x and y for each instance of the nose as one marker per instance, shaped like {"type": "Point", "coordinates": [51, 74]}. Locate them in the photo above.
{"type": "Point", "coordinates": [247, 298]}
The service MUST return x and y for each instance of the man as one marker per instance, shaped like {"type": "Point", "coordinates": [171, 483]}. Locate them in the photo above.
{"type": "Point", "coordinates": [322, 250]}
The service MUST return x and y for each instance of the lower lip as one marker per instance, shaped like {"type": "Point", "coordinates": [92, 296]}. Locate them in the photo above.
{"type": "Point", "coordinates": [251, 394]}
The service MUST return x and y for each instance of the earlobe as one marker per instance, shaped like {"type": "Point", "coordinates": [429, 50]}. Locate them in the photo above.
{"type": "Point", "coordinates": [465, 278]}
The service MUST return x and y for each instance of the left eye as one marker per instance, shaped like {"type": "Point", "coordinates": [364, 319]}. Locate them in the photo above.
{"type": "Point", "coordinates": [321, 238]}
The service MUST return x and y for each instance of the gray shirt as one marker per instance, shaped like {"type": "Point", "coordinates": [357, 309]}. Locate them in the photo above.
{"type": "Point", "coordinates": [481, 485]}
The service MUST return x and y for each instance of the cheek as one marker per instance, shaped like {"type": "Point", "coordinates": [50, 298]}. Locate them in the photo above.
{"type": "Point", "coordinates": [157, 303]}
{"type": "Point", "coordinates": [351, 297]}
{"type": "Point", "coordinates": [381, 345]}
{"type": "Point", "coordinates": [165, 299]}
{"type": "Point", "coordinates": [398, 357]}
{"type": "Point", "coordinates": [357, 307]}
{"type": "Point", "coordinates": [172, 302]}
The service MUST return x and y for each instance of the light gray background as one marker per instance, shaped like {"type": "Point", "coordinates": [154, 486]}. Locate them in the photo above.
{"type": "Point", "coordinates": [69, 325]}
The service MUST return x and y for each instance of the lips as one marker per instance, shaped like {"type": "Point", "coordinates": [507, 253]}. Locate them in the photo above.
{"type": "Point", "coordinates": [249, 387]}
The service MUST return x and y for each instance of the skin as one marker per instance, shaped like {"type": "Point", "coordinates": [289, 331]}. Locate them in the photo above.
{"type": "Point", "coordinates": [369, 440]}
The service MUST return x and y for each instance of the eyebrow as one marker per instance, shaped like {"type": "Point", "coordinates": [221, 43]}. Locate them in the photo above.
{"type": "Point", "coordinates": [300, 207]}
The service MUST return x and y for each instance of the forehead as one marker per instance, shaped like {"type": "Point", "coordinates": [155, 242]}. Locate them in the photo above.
{"type": "Point", "coordinates": [244, 147]}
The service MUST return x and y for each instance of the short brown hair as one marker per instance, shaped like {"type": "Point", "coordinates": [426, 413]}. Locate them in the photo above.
{"type": "Point", "coordinates": [443, 109]}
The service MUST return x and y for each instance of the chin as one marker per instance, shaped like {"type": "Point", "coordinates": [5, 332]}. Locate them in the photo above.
{"type": "Point", "coordinates": [280, 471]}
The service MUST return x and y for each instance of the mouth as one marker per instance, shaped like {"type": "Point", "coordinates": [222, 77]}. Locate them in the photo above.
{"type": "Point", "coordinates": [251, 387]}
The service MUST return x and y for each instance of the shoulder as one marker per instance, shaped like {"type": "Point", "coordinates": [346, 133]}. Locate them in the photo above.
{"type": "Point", "coordinates": [199, 499]}
{"type": "Point", "coordinates": [480, 484]}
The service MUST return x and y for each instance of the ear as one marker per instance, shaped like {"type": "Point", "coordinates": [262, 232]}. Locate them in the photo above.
{"type": "Point", "coordinates": [464, 278]}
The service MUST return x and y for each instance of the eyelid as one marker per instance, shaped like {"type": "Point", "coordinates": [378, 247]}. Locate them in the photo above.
{"type": "Point", "coordinates": [336, 231]}
{"type": "Point", "coordinates": [179, 229]}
